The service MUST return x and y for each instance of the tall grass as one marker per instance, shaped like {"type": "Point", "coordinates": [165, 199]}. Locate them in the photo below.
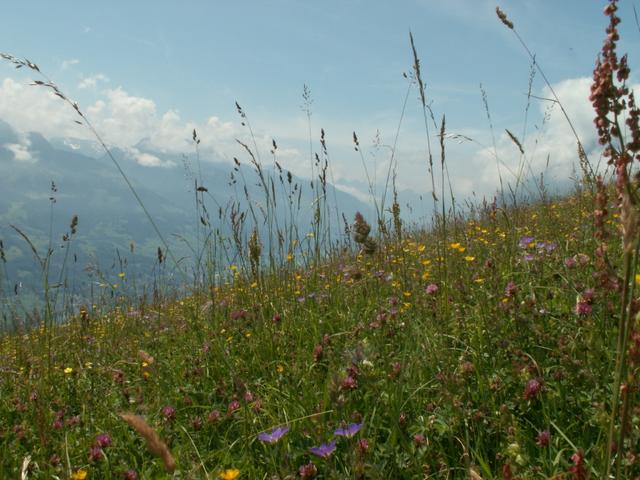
{"type": "Point", "coordinates": [480, 346]}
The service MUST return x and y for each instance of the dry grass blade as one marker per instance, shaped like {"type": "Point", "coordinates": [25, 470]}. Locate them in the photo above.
{"type": "Point", "coordinates": [24, 471]}
{"type": "Point", "coordinates": [473, 475]}
{"type": "Point", "coordinates": [154, 442]}
{"type": "Point", "coordinates": [416, 68]}
{"type": "Point", "coordinates": [33, 248]}
{"type": "Point", "coordinates": [515, 140]}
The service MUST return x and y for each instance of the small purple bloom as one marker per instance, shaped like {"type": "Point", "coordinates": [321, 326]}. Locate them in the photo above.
{"type": "Point", "coordinates": [583, 308]}
{"type": "Point", "coordinates": [528, 258]}
{"type": "Point", "coordinates": [431, 289]}
{"type": "Point", "coordinates": [95, 454]}
{"type": "Point", "coordinates": [532, 389]}
{"type": "Point", "coordinates": [103, 440]}
{"type": "Point", "coordinates": [363, 446]}
{"type": "Point", "coordinates": [349, 431]}
{"type": "Point", "coordinates": [542, 440]}
{"type": "Point", "coordinates": [273, 436]}
{"type": "Point", "coordinates": [570, 262]}
{"type": "Point", "coordinates": [233, 406]}
{"type": "Point", "coordinates": [130, 475]}
{"type": "Point", "coordinates": [169, 412]}
{"type": "Point", "coordinates": [324, 450]}
{"type": "Point", "coordinates": [526, 241]}
{"type": "Point", "coordinates": [511, 289]}
{"type": "Point", "coordinates": [419, 440]}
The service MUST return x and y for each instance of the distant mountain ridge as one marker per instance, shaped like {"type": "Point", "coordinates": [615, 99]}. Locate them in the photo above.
{"type": "Point", "coordinates": [88, 185]}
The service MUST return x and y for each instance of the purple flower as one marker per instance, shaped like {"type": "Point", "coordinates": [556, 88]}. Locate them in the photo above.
{"type": "Point", "coordinates": [526, 241]}
{"type": "Point", "coordinates": [233, 406]}
{"type": "Point", "coordinates": [583, 308]}
{"type": "Point", "coordinates": [95, 454]}
{"type": "Point", "coordinates": [275, 435]}
{"type": "Point", "coordinates": [349, 383]}
{"type": "Point", "coordinates": [363, 446]}
{"type": "Point", "coordinates": [419, 440]}
{"type": "Point", "coordinates": [169, 412]}
{"type": "Point", "coordinates": [431, 289]}
{"type": "Point", "coordinates": [213, 416]}
{"type": "Point", "coordinates": [532, 389]}
{"type": "Point", "coordinates": [349, 431]}
{"type": "Point", "coordinates": [130, 475]}
{"type": "Point", "coordinates": [570, 262]}
{"type": "Point", "coordinates": [103, 440]}
{"type": "Point", "coordinates": [528, 258]}
{"type": "Point", "coordinates": [511, 289]}
{"type": "Point", "coordinates": [324, 450]}
{"type": "Point", "coordinates": [543, 438]}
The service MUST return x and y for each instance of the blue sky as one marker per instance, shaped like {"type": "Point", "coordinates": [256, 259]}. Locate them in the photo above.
{"type": "Point", "coordinates": [156, 69]}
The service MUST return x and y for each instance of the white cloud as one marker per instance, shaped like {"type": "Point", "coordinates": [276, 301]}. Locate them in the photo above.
{"type": "Point", "coordinates": [362, 196]}
{"type": "Point", "coordinates": [550, 148]}
{"type": "Point", "coordinates": [92, 81]}
{"type": "Point", "coordinates": [69, 63]}
{"type": "Point", "coordinates": [28, 108]}
{"type": "Point", "coordinates": [21, 151]}
{"type": "Point", "coordinates": [126, 120]}
{"type": "Point", "coordinates": [148, 160]}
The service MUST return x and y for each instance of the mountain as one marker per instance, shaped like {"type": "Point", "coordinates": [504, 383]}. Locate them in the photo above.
{"type": "Point", "coordinates": [45, 183]}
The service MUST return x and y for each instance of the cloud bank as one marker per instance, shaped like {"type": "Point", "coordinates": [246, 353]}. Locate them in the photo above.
{"type": "Point", "coordinates": [134, 124]}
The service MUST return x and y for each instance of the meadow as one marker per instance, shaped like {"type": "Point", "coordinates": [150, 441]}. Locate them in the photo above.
{"type": "Point", "coordinates": [499, 342]}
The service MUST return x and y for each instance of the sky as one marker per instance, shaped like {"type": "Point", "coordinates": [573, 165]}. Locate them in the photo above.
{"type": "Point", "coordinates": [146, 73]}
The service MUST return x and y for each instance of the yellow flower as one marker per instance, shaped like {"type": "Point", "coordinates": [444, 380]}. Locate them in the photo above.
{"type": "Point", "coordinates": [638, 278]}
{"type": "Point", "coordinates": [230, 474]}
{"type": "Point", "coordinates": [69, 371]}
{"type": "Point", "coordinates": [469, 258]}
{"type": "Point", "coordinates": [121, 275]}
{"type": "Point", "coordinates": [80, 475]}
{"type": "Point", "coordinates": [455, 246]}
{"type": "Point", "coordinates": [280, 368]}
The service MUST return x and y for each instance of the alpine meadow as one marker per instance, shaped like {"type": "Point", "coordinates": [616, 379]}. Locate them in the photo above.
{"type": "Point", "coordinates": [271, 317]}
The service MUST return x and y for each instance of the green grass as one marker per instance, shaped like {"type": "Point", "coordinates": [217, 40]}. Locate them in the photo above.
{"type": "Point", "coordinates": [438, 380]}
{"type": "Point", "coordinates": [490, 346]}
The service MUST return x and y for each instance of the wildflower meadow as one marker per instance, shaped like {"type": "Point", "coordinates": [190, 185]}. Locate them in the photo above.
{"type": "Point", "coordinates": [499, 341]}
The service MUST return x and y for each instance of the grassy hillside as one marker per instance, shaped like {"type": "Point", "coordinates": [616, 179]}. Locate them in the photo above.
{"type": "Point", "coordinates": [491, 351]}
{"type": "Point", "coordinates": [501, 342]}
